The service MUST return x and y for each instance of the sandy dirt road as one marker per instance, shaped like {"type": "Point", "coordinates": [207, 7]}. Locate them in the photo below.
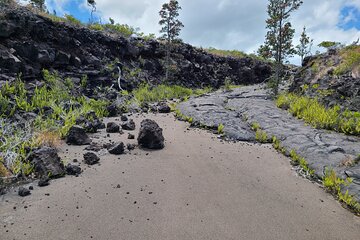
{"type": "Point", "coordinates": [196, 188]}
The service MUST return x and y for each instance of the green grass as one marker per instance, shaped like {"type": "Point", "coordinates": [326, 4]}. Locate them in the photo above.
{"type": "Point", "coordinates": [220, 129]}
{"type": "Point", "coordinates": [260, 135]}
{"type": "Point", "coordinates": [335, 184]}
{"type": "Point", "coordinates": [15, 142]}
{"type": "Point", "coordinates": [147, 94]}
{"type": "Point", "coordinates": [298, 160]}
{"type": "Point", "coordinates": [183, 117]}
{"type": "Point", "coordinates": [277, 145]}
{"type": "Point", "coordinates": [234, 54]}
{"type": "Point", "coordinates": [318, 116]}
{"type": "Point", "coordinates": [350, 58]}
{"type": "Point", "coordinates": [226, 53]}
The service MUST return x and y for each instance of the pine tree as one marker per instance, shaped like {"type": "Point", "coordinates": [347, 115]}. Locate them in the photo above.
{"type": "Point", "coordinates": [278, 43]}
{"type": "Point", "coordinates": [92, 4]}
{"type": "Point", "coordinates": [171, 27]}
{"type": "Point", "coordinates": [304, 48]}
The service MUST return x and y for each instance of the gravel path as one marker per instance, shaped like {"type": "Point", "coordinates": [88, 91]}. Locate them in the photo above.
{"type": "Point", "coordinates": [198, 187]}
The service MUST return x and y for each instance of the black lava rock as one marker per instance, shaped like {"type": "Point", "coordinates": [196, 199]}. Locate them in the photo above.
{"type": "Point", "coordinates": [131, 136]}
{"type": "Point", "coordinates": [113, 110]}
{"type": "Point", "coordinates": [73, 169]}
{"type": "Point", "coordinates": [43, 182]}
{"type": "Point", "coordinates": [124, 118]}
{"type": "Point", "coordinates": [91, 158]}
{"type": "Point", "coordinates": [163, 108]}
{"type": "Point", "coordinates": [150, 135]}
{"type": "Point", "coordinates": [112, 127]}
{"type": "Point", "coordinates": [23, 192]}
{"type": "Point", "coordinates": [129, 125]}
{"type": "Point", "coordinates": [77, 136]}
{"type": "Point", "coordinates": [117, 148]}
{"type": "Point", "coordinates": [130, 146]}
{"type": "Point", "coordinates": [47, 162]}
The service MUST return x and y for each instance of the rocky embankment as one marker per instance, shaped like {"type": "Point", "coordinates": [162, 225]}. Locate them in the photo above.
{"type": "Point", "coordinates": [238, 111]}
{"type": "Point", "coordinates": [30, 42]}
{"type": "Point", "coordinates": [332, 77]}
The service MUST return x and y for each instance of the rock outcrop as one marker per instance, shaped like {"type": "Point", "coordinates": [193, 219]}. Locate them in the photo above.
{"type": "Point", "coordinates": [332, 77]}
{"type": "Point", "coordinates": [31, 42]}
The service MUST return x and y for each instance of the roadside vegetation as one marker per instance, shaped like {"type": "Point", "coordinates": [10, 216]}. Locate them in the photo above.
{"type": "Point", "coordinates": [319, 116]}
{"type": "Point", "coordinates": [334, 185]}
{"type": "Point", "coordinates": [147, 94]}
{"type": "Point", "coordinates": [53, 110]}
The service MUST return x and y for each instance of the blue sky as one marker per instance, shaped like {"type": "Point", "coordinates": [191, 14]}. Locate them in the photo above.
{"type": "Point", "coordinates": [349, 18]}
{"type": "Point", "coordinates": [73, 7]}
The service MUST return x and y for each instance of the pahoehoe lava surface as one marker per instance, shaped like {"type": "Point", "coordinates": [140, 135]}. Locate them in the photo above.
{"type": "Point", "coordinates": [238, 109]}
{"type": "Point", "coordinates": [197, 187]}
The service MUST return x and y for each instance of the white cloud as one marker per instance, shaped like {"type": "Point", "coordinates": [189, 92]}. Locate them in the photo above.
{"type": "Point", "coordinates": [57, 5]}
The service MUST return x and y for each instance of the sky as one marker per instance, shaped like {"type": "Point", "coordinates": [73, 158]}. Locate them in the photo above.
{"type": "Point", "coordinates": [226, 24]}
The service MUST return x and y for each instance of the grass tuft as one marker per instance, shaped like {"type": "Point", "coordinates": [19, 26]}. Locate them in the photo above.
{"type": "Point", "coordinates": [350, 59]}
{"type": "Point", "coordinates": [220, 129]}
{"type": "Point", "coordinates": [298, 160]}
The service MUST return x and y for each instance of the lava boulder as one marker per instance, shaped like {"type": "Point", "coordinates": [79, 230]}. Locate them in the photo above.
{"type": "Point", "coordinates": [163, 108]}
{"type": "Point", "coordinates": [112, 127]}
{"type": "Point", "coordinates": [91, 158]}
{"type": "Point", "coordinates": [47, 162]}
{"type": "Point", "coordinates": [77, 136]}
{"type": "Point", "coordinates": [44, 181]}
{"type": "Point", "coordinates": [73, 169]}
{"type": "Point", "coordinates": [129, 125]}
{"type": "Point", "coordinates": [150, 135]}
{"type": "Point", "coordinates": [23, 192]}
{"type": "Point", "coordinates": [117, 148]}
